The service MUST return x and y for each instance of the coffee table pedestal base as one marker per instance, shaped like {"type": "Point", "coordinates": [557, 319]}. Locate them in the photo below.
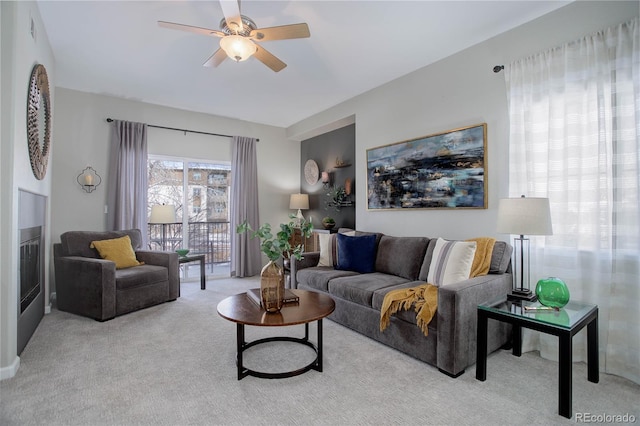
{"type": "Point", "coordinates": [242, 346]}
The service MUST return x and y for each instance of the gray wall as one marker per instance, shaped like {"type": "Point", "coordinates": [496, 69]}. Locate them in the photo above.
{"type": "Point", "coordinates": [460, 90]}
{"type": "Point", "coordinates": [324, 150]}
{"type": "Point", "coordinates": [19, 52]}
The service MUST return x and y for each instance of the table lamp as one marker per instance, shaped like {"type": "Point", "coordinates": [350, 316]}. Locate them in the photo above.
{"type": "Point", "coordinates": [163, 214]}
{"type": "Point", "coordinates": [523, 216]}
{"type": "Point", "coordinates": [300, 202]}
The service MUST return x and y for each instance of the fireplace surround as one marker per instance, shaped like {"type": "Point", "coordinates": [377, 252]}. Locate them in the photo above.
{"type": "Point", "coordinates": [31, 266]}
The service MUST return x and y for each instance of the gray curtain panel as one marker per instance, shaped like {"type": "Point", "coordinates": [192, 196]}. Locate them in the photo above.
{"type": "Point", "coordinates": [127, 180]}
{"type": "Point", "coordinates": [246, 260]}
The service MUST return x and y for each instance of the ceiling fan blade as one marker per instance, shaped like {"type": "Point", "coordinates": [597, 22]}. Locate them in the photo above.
{"type": "Point", "coordinates": [269, 59]}
{"type": "Point", "coordinates": [281, 33]}
{"type": "Point", "coordinates": [191, 29]}
{"type": "Point", "coordinates": [231, 12]}
{"type": "Point", "coordinates": [215, 59]}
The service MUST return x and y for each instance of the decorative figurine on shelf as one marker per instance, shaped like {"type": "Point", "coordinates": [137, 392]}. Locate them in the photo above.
{"type": "Point", "coordinates": [552, 292]}
{"type": "Point", "coordinates": [347, 186]}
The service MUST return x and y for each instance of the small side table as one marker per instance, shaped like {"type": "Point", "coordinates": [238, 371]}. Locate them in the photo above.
{"type": "Point", "coordinates": [564, 323]}
{"type": "Point", "coordinates": [194, 258]}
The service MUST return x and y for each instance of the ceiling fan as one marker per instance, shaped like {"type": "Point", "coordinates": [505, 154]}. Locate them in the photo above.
{"type": "Point", "coordinates": [239, 34]}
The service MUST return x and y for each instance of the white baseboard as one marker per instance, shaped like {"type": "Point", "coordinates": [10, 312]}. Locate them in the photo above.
{"type": "Point", "coordinates": [11, 370]}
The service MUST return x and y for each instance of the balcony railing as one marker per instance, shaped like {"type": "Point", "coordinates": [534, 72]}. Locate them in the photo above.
{"type": "Point", "coordinates": [209, 238]}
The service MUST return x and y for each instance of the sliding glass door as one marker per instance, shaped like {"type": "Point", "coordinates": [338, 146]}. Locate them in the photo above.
{"type": "Point", "coordinates": [199, 191]}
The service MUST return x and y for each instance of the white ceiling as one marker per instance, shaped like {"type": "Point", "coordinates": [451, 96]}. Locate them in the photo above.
{"type": "Point", "coordinates": [116, 48]}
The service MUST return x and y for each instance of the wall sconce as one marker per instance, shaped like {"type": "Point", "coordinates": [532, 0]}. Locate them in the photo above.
{"type": "Point", "coordinates": [89, 179]}
{"type": "Point", "coordinates": [325, 180]}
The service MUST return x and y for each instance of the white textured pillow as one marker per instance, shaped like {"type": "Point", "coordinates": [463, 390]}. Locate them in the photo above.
{"type": "Point", "coordinates": [326, 254]}
{"type": "Point", "coordinates": [451, 262]}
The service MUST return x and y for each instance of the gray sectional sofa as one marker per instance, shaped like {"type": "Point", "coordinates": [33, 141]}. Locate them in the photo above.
{"type": "Point", "coordinates": [402, 262]}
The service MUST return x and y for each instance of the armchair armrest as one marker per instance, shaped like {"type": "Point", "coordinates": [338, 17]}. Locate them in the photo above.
{"type": "Point", "coordinates": [457, 320]}
{"type": "Point", "coordinates": [167, 259]}
{"type": "Point", "coordinates": [86, 286]}
{"type": "Point", "coordinates": [309, 259]}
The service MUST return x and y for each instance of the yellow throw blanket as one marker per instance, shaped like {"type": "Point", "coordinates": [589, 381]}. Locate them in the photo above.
{"type": "Point", "coordinates": [425, 298]}
{"type": "Point", "coordinates": [482, 258]}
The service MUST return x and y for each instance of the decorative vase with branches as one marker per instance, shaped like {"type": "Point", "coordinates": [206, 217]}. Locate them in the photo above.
{"type": "Point", "coordinates": [276, 246]}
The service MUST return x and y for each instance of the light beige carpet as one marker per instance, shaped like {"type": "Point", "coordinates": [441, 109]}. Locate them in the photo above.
{"type": "Point", "coordinates": [174, 364]}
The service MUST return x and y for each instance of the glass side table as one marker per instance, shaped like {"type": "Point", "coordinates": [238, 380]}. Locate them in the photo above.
{"type": "Point", "coordinates": [564, 323]}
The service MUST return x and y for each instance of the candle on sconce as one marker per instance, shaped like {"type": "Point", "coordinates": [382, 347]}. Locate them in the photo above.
{"type": "Point", "coordinates": [88, 180]}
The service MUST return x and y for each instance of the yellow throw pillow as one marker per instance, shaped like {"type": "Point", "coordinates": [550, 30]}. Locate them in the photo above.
{"type": "Point", "coordinates": [118, 250]}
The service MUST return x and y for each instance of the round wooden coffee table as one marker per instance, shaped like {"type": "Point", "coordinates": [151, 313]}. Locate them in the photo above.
{"type": "Point", "coordinates": [243, 311]}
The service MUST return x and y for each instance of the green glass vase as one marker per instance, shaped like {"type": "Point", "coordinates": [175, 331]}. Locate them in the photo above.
{"type": "Point", "coordinates": [552, 292]}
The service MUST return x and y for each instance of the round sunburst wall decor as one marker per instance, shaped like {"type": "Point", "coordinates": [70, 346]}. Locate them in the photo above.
{"type": "Point", "coordinates": [39, 121]}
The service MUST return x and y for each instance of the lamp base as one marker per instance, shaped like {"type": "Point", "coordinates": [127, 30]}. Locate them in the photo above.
{"type": "Point", "coordinates": [522, 294]}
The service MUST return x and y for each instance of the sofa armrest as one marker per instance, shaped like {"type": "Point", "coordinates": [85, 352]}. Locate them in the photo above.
{"type": "Point", "coordinates": [309, 259]}
{"type": "Point", "coordinates": [167, 259]}
{"type": "Point", "coordinates": [86, 286]}
{"type": "Point", "coordinates": [457, 320]}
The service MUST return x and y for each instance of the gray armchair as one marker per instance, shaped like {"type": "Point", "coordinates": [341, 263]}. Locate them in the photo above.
{"type": "Point", "coordinates": [90, 286]}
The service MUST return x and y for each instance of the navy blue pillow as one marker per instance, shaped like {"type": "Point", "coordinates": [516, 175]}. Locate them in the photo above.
{"type": "Point", "coordinates": [356, 253]}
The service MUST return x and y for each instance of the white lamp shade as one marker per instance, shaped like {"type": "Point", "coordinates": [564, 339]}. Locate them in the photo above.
{"type": "Point", "coordinates": [165, 213]}
{"type": "Point", "coordinates": [524, 216]}
{"type": "Point", "coordinates": [299, 201]}
{"type": "Point", "coordinates": [237, 47]}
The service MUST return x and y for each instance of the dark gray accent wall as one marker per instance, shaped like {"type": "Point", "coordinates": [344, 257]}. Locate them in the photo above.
{"type": "Point", "coordinates": [325, 150]}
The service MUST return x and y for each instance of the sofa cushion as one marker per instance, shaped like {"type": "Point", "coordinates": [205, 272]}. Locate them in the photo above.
{"type": "Point", "coordinates": [117, 250]}
{"type": "Point", "coordinates": [356, 253]}
{"type": "Point", "coordinates": [360, 288]}
{"type": "Point", "coordinates": [451, 262]}
{"type": "Point", "coordinates": [329, 247]}
{"type": "Point", "coordinates": [140, 275]}
{"type": "Point", "coordinates": [500, 257]}
{"type": "Point", "coordinates": [318, 277]}
{"type": "Point", "coordinates": [401, 256]}
{"type": "Point", "coordinates": [327, 250]}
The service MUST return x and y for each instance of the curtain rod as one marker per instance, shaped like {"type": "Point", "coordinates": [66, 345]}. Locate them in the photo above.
{"type": "Point", "coordinates": [109, 120]}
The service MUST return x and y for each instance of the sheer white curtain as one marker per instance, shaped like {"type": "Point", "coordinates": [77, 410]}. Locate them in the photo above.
{"type": "Point", "coordinates": [574, 127]}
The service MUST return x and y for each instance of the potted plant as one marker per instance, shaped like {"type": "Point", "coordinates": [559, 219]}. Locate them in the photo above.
{"type": "Point", "coordinates": [336, 197]}
{"type": "Point", "coordinates": [276, 246]}
{"type": "Point", "coordinates": [328, 222]}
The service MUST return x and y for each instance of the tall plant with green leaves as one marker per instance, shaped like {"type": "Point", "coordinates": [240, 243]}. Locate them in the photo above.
{"type": "Point", "coordinates": [277, 245]}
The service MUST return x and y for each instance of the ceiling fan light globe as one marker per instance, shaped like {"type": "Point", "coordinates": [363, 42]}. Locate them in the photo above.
{"type": "Point", "coordinates": [237, 47]}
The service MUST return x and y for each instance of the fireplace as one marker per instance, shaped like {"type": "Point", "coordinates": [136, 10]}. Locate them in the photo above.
{"type": "Point", "coordinates": [31, 266]}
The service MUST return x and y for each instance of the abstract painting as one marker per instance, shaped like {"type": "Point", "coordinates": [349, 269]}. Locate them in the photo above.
{"type": "Point", "coordinates": [441, 171]}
